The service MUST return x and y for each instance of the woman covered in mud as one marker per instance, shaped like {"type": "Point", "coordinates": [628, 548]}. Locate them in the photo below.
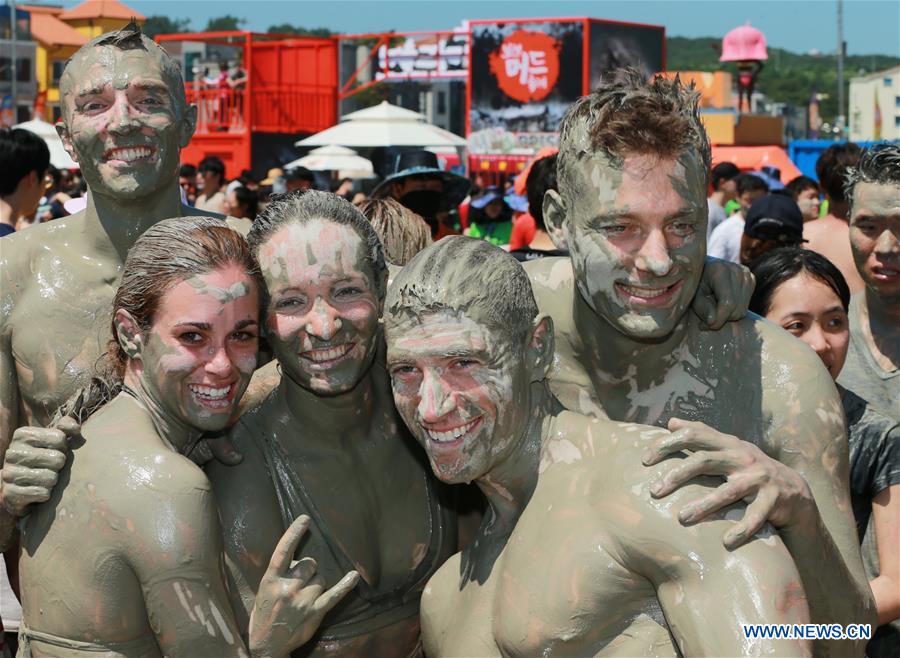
{"type": "Point", "coordinates": [327, 441]}
{"type": "Point", "coordinates": [125, 558]}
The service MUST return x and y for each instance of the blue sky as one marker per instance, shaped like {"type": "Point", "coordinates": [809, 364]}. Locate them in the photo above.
{"type": "Point", "coordinates": [870, 26]}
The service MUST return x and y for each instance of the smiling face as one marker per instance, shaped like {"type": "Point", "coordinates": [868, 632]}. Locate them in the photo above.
{"type": "Point", "coordinates": [812, 311]}
{"type": "Point", "coordinates": [461, 390]}
{"type": "Point", "coordinates": [875, 238]}
{"type": "Point", "coordinates": [122, 123]}
{"type": "Point", "coordinates": [322, 320]}
{"type": "Point", "coordinates": [198, 356]}
{"type": "Point", "coordinates": [637, 238]}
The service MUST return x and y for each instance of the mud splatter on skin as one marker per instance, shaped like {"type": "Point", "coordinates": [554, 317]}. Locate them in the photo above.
{"type": "Point", "coordinates": [561, 496]}
{"type": "Point", "coordinates": [200, 341]}
{"type": "Point", "coordinates": [322, 319]}
{"type": "Point", "coordinates": [683, 371]}
{"type": "Point", "coordinates": [332, 423]}
{"type": "Point", "coordinates": [448, 373]}
{"type": "Point", "coordinates": [122, 99]}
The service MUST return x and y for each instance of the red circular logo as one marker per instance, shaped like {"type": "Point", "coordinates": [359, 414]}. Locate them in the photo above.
{"type": "Point", "coordinates": [526, 65]}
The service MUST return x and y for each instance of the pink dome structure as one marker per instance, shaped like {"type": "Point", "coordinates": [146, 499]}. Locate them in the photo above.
{"type": "Point", "coordinates": [743, 44]}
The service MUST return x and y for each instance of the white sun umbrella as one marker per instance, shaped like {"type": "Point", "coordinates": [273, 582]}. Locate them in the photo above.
{"type": "Point", "coordinates": [383, 125]}
{"type": "Point", "coordinates": [346, 161]}
{"type": "Point", "coordinates": [46, 131]}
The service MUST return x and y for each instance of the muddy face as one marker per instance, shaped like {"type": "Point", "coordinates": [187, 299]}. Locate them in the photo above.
{"type": "Point", "coordinates": [875, 237]}
{"type": "Point", "coordinates": [461, 390]}
{"type": "Point", "coordinates": [197, 358]}
{"type": "Point", "coordinates": [322, 320]}
{"type": "Point", "coordinates": [122, 123]}
{"type": "Point", "coordinates": [636, 232]}
{"type": "Point", "coordinates": [813, 312]}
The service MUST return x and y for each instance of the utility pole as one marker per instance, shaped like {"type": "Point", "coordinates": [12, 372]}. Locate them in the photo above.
{"type": "Point", "coordinates": [842, 115]}
{"type": "Point", "coordinates": [14, 73]}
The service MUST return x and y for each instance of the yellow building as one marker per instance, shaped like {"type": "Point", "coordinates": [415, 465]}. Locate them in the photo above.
{"type": "Point", "coordinates": [59, 33]}
{"type": "Point", "coordinates": [95, 17]}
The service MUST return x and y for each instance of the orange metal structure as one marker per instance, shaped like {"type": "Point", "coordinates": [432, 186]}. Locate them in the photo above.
{"type": "Point", "coordinates": [291, 91]}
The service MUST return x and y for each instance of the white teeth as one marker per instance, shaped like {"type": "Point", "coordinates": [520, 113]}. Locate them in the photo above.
{"type": "Point", "coordinates": [450, 435]}
{"type": "Point", "coordinates": [329, 354]}
{"type": "Point", "coordinates": [646, 293]}
{"type": "Point", "coordinates": [209, 394]}
{"type": "Point", "coordinates": [129, 154]}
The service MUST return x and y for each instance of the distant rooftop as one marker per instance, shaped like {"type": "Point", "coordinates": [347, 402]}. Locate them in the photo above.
{"type": "Point", "coordinates": [101, 9]}
{"type": "Point", "coordinates": [47, 28]}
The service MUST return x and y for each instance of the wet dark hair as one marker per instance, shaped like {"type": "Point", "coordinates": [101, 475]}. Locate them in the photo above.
{"type": "Point", "coordinates": [750, 183]}
{"type": "Point", "coordinates": [247, 198]}
{"type": "Point", "coordinates": [783, 264]}
{"type": "Point", "coordinates": [723, 171]}
{"type": "Point", "coordinates": [832, 167]}
{"type": "Point", "coordinates": [541, 178]}
{"type": "Point", "coordinates": [130, 37]}
{"type": "Point", "coordinates": [21, 152]}
{"type": "Point", "coordinates": [311, 205]}
{"type": "Point", "coordinates": [799, 185]}
{"type": "Point", "coordinates": [628, 114]}
{"type": "Point", "coordinates": [214, 165]}
{"type": "Point", "coordinates": [878, 164]}
{"type": "Point", "coordinates": [468, 276]}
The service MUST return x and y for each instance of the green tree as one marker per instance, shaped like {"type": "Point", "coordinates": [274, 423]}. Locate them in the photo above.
{"type": "Point", "coordinates": [224, 23]}
{"type": "Point", "coordinates": [787, 77]}
{"type": "Point", "coordinates": [287, 28]}
{"type": "Point", "coordinates": [164, 25]}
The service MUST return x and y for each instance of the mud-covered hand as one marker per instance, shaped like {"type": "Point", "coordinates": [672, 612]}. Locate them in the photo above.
{"type": "Point", "coordinates": [724, 292]}
{"type": "Point", "coordinates": [32, 464]}
{"type": "Point", "coordinates": [291, 600]}
{"type": "Point", "coordinates": [775, 493]}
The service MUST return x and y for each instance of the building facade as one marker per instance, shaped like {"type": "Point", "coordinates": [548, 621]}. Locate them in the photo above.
{"type": "Point", "coordinates": [874, 107]}
{"type": "Point", "coordinates": [18, 87]}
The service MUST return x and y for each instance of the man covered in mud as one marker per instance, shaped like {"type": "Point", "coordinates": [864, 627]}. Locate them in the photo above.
{"type": "Point", "coordinates": [574, 556]}
{"type": "Point", "coordinates": [633, 166]}
{"type": "Point", "coordinates": [125, 120]}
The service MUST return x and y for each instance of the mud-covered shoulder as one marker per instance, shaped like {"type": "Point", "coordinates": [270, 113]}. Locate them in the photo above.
{"type": "Point", "coordinates": [18, 252]}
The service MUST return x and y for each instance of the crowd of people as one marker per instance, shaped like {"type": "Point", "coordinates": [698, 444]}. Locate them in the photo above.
{"type": "Point", "coordinates": [444, 418]}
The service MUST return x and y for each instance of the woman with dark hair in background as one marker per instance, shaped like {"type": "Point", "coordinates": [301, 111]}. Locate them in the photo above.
{"type": "Point", "coordinates": [806, 294]}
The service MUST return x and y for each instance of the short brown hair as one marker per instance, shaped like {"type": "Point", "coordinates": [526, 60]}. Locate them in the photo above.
{"type": "Point", "coordinates": [402, 232]}
{"type": "Point", "coordinates": [627, 115]}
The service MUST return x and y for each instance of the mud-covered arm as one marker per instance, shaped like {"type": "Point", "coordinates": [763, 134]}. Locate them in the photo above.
{"type": "Point", "coordinates": [176, 554]}
{"type": "Point", "coordinates": [9, 386]}
{"type": "Point", "coordinates": [808, 434]}
{"type": "Point", "coordinates": [706, 591]}
{"type": "Point", "coordinates": [724, 292]}
{"type": "Point", "coordinates": [9, 402]}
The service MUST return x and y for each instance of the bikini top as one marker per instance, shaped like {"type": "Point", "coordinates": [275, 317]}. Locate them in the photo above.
{"type": "Point", "coordinates": [374, 608]}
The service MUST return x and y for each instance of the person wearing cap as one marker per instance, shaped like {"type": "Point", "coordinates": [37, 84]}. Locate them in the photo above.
{"type": "Point", "coordinates": [274, 181]}
{"type": "Point", "coordinates": [491, 217]}
{"type": "Point", "coordinates": [299, 179]}
{"type": "Point", "coordinates": [773, 221]}
{"type": "Point", "coordinates": [419, 183]}
{"type": "Point", "coordinates": [724, 189]}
